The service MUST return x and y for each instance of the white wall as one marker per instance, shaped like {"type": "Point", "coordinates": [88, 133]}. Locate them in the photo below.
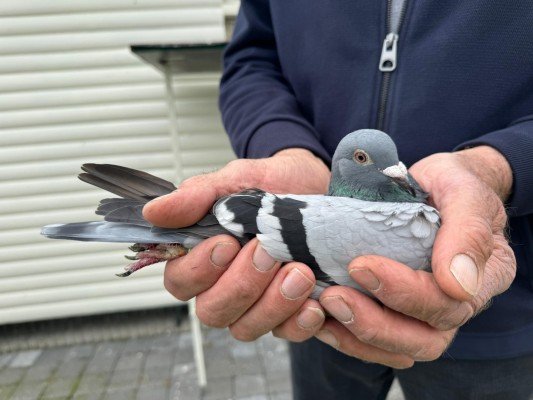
{"type": "Point", "coordinates": [71, 92]}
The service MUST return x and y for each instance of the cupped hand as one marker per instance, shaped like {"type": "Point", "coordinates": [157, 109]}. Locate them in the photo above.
{"type": "Point", "coordinates": [472, 262]}
{"type": "Point", "coordinates": [243, 289]}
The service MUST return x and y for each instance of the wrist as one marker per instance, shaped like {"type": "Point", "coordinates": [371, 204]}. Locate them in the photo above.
{"type": "Point", "coordinates": [491, 167]}
{"type": "Point", "coordinates": [303, 155]}
{"type": "Point", "coordinates": [307, 172]}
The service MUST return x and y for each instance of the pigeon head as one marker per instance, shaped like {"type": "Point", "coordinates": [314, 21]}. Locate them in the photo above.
{"type": "Point", "coordinates": [366, 166]}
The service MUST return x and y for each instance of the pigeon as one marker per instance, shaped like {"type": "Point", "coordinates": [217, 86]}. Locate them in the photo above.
{"type": "Point", "coordinates": [373, 207]}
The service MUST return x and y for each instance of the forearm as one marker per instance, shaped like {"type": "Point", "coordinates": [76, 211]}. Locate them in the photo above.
{"type": "Point", "coordinates": [259, 109]}
{"type": "Point", "coordinates": [491, 167]}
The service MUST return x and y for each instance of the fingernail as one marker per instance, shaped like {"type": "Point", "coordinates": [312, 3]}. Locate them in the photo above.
{"type": "Point", "coordinates": [365, 278]}
{"type": "Point", "coordinates": [295, 285]}
{"type": "Point", "coordinates": [465, 271]}
{"type": "Point", "coordinates": [338, 308]}
{"type": "Point", "coordinates": [327, 337]}
{"type": "Point", "coordinates": [310, 317]}
{"type": "Point", "coordinates": [261, 260]}
{"type": "Point", "coordinates": [222, 254]}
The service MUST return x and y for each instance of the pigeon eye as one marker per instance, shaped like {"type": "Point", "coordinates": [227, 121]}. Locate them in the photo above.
{"type": "Point", "coordinates": [361, 157]}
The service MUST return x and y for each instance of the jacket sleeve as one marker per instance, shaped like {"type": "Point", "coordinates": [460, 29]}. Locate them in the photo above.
{"type": "Point", "coordinates": [515, 142]}
{"type": "Point", "coordinates": [259, 109]}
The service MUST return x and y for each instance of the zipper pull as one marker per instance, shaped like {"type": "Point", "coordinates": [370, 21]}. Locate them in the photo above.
{"type": "Point", "coordinates": [387, 62]}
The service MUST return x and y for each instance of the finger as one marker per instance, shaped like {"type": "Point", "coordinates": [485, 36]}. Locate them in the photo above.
{"type": "Point", "coordinates": [286, 293]}
{"type": "Point", "coordinates": [195, 196]}
{"type": "Point", "coordinates": [500, 272]}
{"type": "Point", "coordinates": [382, 327]}
{"type": "Point", "coordinates": [413, 293]}
{"type": "Point", "coordinates": [186, 205]}
{"type": "Point", "coordinates": [303, 324]}
{"type": "Point", "coordinates": [337, 336]}
{"type": "Point", "coordinates": [238, 288]}
{"type": "Point", "coordinates": [465, 240]}
{"type": "Point", "coordinates": [187, 276]}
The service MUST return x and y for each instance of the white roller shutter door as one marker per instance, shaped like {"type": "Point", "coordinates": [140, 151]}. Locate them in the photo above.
{"type": "Point", "coordinates": [71, 92]}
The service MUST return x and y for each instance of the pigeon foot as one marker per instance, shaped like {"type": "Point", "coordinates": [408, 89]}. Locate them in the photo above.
{"type": "Point", "coordinates": [148, 254]}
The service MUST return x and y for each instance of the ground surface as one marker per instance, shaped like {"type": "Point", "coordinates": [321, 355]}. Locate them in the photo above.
{"type": "Point", "coordinates": [158, 364]}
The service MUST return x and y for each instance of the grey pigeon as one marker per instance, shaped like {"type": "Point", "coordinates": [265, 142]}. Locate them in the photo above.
{"type": "Point", "coordinates": [374, 206]}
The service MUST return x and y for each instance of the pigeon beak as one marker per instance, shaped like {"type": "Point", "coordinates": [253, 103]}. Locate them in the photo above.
{"type": "Point", "coordinates": [396, 172]}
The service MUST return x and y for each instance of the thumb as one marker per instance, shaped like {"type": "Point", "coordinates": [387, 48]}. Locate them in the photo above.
{"type": "Point", "coordinates": [191, 201]}
{"type": "Point", "coordinates": [465, 241]}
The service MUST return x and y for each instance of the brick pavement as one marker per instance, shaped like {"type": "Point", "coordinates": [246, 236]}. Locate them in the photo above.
{"type": "Point", "coordinates": [158, 367]}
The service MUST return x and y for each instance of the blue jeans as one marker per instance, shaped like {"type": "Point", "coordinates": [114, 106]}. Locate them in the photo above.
{"type": "Point", "coordinates": [321, 372]}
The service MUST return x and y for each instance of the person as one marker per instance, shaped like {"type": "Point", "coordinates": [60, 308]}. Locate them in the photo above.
{"type": "Point", "coordinates": [455, 93]}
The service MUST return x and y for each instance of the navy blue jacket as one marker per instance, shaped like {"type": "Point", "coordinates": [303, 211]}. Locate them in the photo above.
{"type": "Point", "coordinates": [304, 73]}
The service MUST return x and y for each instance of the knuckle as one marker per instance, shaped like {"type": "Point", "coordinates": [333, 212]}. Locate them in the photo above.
{"type": "Point", "coordinates": [175, 288]}
{"type": "Point", "coordinates": [434, 348]}
{"type": "Point", "coordinates": [429, 353]}
{"type": "Point", "coordinates": [368, 335]}
{"type": "Point", "coordinates": [235, 164]}
{"type": "Point", "coordinates": [410, 303]}
{"type": "Point", "coordinates": [478, 237]}
{"type": "Point", "coordinates": [451, 318]}
{"type": "Point", "coordinates": [209, 318]}
{"type": "Point", "coordinates": [242, 333]}
{"type": "Point", "coordinates": [247, 291]}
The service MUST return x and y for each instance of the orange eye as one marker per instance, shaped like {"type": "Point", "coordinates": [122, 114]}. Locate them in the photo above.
{"type": "Point", "coordinates": [360, 156]}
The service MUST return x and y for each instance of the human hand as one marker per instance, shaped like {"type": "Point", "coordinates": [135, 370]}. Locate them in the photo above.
{"type": "Point", "coordinates": [471, 261]}
{"type": "Point", "coordinates": [244, 289]}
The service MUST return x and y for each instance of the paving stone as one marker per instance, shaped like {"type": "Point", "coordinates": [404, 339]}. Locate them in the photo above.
{"type": "Point", "coordinates": [40, 372]}
{"type": "Point", "coordinates": [395, 392]}
{"type": "Point", "coordinates": [217, 337]}
{"type": "Point", "coordinates": [269, 343]}
{"type": "Point", "coordinates": [156, 376]}
{"type": "Point", "coordinates": [159, 367]}
{"type": "Point", "coordinates": [129, 361]}
{"type": "Point", "coordinates": [90, 383]}
{"type": "Point", "coordinates": [139, 344]}
{"type": "Point", "coordinates": [29, 390]}
{"type": "Point", "coordinates": [124, 379]}
{"type": "Point", "coordinates": [249, 385]}
{"type": "Point", "coordinates": [25, 359]}
{"type": "Point", "coordinates": [281, 396]}
{"type": "Point", "coordinates": [120, 394]}
{"type": "Point", "coordinates": [159, 359]}
{"type": "Point", "coordinates": [70, 368]}
{"type": "Point", "coordinates": [153, 392]}
{"type": "Point", "coordinates": [6, 359]}
{"type": "Point", "coordinates": [182, 356]}
{"type": "Point", "coordinates": [180, 370]}
{"type": "Point", "coordinates": [81, 351]}
{"type": "Point", "coordinates": [104, 358]}
{"type": "Point", "coordinates": [243, 350]}
{"type": "Point", "coordinates": [277, 362]}
{"type": "Point", "coordinates": [211, 351]}
{"type": "Point", "coordinates": [185, 340]}
{"type": "Point", "coordinates": [279, 383]}
{"type": "Point", "coordinates": [7, 390]}
{"type": "Point", "coordinates": [184, 391]}
{"type": "Point", "coordinates": [9, 376]}
{"type": "Point", "coordinates": [218, 389]}
{"type": "Point", "coordinates": [166, 341]}
{"type": "Point", "coordinates": [52, 356]}
{"type": "Point", "coordinates": [220, 368]}
{"type": "Point", "coordinates": [248, 366]}
{"type": "Point", "coordinates": [88, 396]}
{"type": "Point", "coordinates": [59, 388]}
{"type": "Point", "coordinates": [254, 397]}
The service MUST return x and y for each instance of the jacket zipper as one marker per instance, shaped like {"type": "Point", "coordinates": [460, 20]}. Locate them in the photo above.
{"type": "Point", "coordinates": [388, 60]}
